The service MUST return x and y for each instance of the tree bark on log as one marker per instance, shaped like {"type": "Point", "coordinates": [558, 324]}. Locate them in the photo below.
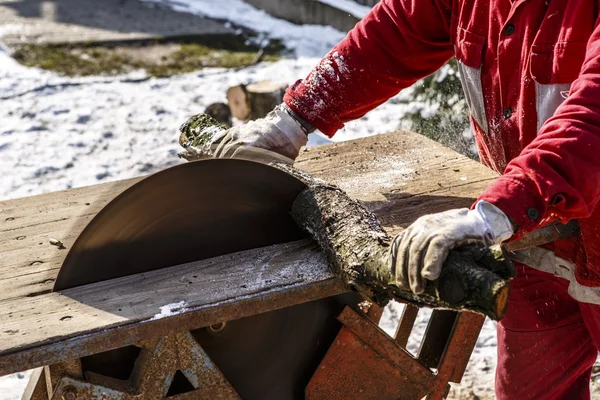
{"type": "Point", "coordinates": [474, 277]}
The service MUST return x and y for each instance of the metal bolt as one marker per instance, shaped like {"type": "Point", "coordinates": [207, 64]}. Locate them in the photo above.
{"type": "Point", "coordinates": [218, 327]}
{"type": "Point", "coordinates": [69, 393]}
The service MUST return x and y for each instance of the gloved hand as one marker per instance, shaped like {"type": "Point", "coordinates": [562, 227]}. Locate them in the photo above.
{"type": "Point", "coordinates": [277, 137]}
{"type": "Point", "coordinates": [419, 252]}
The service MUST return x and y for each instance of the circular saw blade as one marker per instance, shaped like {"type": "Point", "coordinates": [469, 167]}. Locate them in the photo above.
{"type": "Point", "coordinates": [185, 213]}
{"type": "Point", "coordinates": [196, 211]}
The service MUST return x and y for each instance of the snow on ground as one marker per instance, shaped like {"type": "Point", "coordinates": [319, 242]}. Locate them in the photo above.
{"type": "Point", "coordinates": [305, 40]}
{"type": "Point", "coordinates": [59, 133]}
{"type": "Point", "coordinates": [13, 386]}
{"type": "Point", "coordinates": [350, 6]}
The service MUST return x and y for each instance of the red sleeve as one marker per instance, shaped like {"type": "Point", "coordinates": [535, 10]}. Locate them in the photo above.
{"type": "Point", "coordinates": [558, 175]}
{"type": "Point", "coordinates": [396, 44]}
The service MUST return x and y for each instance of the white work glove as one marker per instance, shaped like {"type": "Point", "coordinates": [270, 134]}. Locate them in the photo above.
{"type": "Point", "coordinates": [419, 252]}
{"type": "Point", "coordinates": [276, 138]}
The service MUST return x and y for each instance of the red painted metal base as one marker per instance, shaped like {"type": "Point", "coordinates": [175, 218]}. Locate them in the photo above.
{"type": "Point", "coordinates": [365, 363]}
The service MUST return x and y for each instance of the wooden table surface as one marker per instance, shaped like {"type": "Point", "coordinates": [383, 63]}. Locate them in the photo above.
{"type": "Point", "coordinates": [399, 176]}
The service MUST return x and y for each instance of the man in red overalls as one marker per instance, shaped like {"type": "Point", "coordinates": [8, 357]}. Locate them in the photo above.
{"type": "Point", "coordinates": [531, 75]}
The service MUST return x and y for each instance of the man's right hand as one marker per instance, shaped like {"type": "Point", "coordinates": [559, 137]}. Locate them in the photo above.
{"type": "Point", "coordinates": [276, 138]}
{"type": "Point", "coordinates": [418, 253]}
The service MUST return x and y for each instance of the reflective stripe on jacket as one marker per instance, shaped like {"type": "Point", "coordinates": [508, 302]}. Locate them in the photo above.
{"type": "Point", "coordinates": [531, 74]}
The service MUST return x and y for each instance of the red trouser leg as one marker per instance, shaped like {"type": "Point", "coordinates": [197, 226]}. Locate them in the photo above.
{"type": "Point", "coordinates": [546, 346]}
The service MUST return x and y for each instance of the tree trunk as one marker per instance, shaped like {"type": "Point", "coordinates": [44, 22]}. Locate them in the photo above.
{"type": "Point", "coordinates": [263, 97]}
{"type": "Point", "coordinates": [254, 101]}
{"type": "Point", "coordinates": [474, 277]}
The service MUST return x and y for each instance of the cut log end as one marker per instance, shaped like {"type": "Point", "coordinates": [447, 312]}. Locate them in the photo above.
{"type": "Point", "coordinates": [476, 277]}
{"type": "Point", "coordinates": [263, 97]}
{"type": "Point", "coordinates": [502, 301]}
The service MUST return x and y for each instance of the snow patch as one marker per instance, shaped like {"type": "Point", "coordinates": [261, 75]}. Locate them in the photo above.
{"type": "Point", "coordinates": [170, 310]}
{"type": "Point", "coordinates": [12, 386]}
{"type": "Point", "coordinates": [351, 7]}
{"type": "Point", "coordinates": [304, 40]}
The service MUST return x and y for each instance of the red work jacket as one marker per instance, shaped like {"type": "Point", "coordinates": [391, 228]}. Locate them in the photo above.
{"type": "Point", "coordinates": [531, 74]}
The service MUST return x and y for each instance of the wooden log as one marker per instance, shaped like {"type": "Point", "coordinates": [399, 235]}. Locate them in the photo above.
{"type": "Point", "coordinates": [263, 97]}
{"type": "Point", "coordinates": [220, 112]}
{"type": "Point", "coordinates": [256, 100]}
{"type": "Point", "coordinates": [237, 99]}
{"type": "Point", "coordinates": [474, 277]}
{"type": "Point", "coordinates": [195, 136]}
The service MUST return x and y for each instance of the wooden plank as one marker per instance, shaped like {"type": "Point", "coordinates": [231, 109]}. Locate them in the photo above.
{"type": "Point", "coordinates": [51, 207]}
{"type": "Point", "coordinates": [80, 321]}
{"type": "Point", "coordinates": [400, 176]}
{"type": "Point", "coordinates": [27, 225]}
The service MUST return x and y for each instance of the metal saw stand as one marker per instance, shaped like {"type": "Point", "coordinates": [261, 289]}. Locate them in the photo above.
{"type": "Point", "coordinates": [362, 363]}
{"type": "Point", "coordinates": [153, 376]}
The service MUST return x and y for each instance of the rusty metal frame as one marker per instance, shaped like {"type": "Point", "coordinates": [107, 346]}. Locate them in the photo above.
{"type": "Point", "coordinates": [151, 378]}
{"type": "Point", "coordinates": [406, 324]}
{"type": "Point", "coordinates": [363, 362]}
{"type": "Point", "coordinates": [363, 359]}
{"type": "Point", "coordinates": [379, 367]}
